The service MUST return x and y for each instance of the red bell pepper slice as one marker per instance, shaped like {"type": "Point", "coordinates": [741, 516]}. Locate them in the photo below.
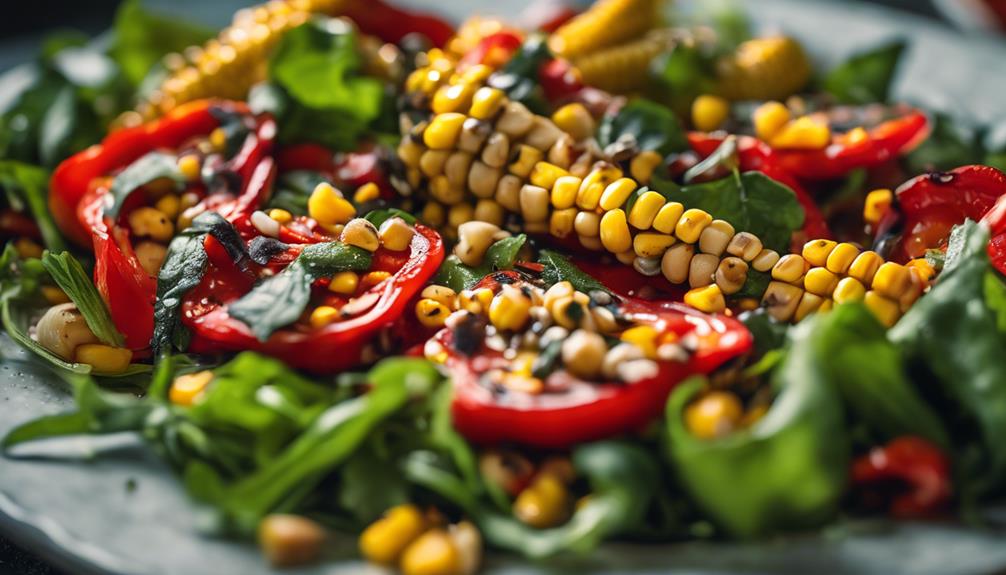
{"type": "Point", "coordinates": [338, 346]}
{"type": "Point", "coordinates": [352, 169]}
{"type": "Point", "coordinates": [883, 142]}
{"type": "Point", "coordinates": [494, 50]}
{"type": "Point", "coordinates": [391, 24]}
{"type": "Point", "coordinates": [919, 466]}
{"type": "Point", "coordinates": [582, 411]}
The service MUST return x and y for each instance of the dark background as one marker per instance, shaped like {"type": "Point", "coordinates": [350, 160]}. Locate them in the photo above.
{"type": "Point", "coordinates": [28, 19]}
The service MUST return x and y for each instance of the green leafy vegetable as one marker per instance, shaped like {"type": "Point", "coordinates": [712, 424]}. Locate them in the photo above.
{"type": "Point", "coordinates": [519, 77]}
{"type": "Point", "coordinates": [866, 78]}
{"type": "Point", "coordinates": [683, 74]}
{"type": "Point", "coordinates": [141, 38]}
{"type": "Point", "coordinates": [293, 189]}
{"type": "Point", "coordinates": [723, 157]}
{"type": "Point", "coordinates": [378, 217]}
{"type": "Point", "coordinates": [26, 187]}
{"type": "Point", "coordinates": [67, 272]}
{"type": "Point", "coordinates": [150, 167]}
{"type": "Point", "coordinates": [653, 127]}
{"type": "Point", "coordinates": [558, 269]}
{"type": "Point", "coordinates": [500, 256]}
{"type": "Point", "coordinates": [952, 143]}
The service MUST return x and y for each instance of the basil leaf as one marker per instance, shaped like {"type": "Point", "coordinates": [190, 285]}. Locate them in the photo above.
{"type": "Point", "coordinates": [141, 38]}
{"type": "Point", "coordinates": [866, 78]}
{"type": "Point", "coordinates": [67, 272]}
{"type": "Point", "coordinates": [150, 167]}
{"type": "Point", "coordinates": [26, 187]}
{"type": "Point", "coordinates": [279, 300]}
{"type": "Point", "coordinates": [653, 126]}
{"type": "Point", "coordinates": [500, 256]}
{"type": "Point", "coordinates": [558, 268]}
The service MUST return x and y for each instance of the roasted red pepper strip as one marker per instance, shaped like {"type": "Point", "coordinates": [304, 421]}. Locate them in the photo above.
{"type": "Point", "coordinates": [996, 220]}
{"type": "Point", "coordinates": [579, 411]}
{"type": "Point", "coordinates": [882, 143]}
{"type": "Point", "coordinates": [494, 50]}
{"type": "Point", "coordinates": [919, 465]}
{"type": "Point", "coordinates": [391, 24]}
{"type": "Point", "coordinates": [333, 348]}
{"type": "Point", "coordinates": [352, 169]}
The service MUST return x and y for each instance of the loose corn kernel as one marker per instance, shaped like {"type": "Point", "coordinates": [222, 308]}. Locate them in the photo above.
{"type": "Point", "coordinates": [385, 539]}
{"type": "Point", "coordinates": [644, 337]}
{"type": "Point", "coordinates": [886, 311]}
{"type": "Point", "coordinates": [803, 133]}
{"type": "Point", "coordinates": [443, 131]}
{"type": "Point", "coordinates": [841, 258]}
{"type": "Point", "coordinates": [396, 234]}
{"type": "Point", "coordinates": [371, 279]}
{"type": "Point", "coordinates": [651, 245]}
{"type": "Point", "coordinates": [589, 195]}
{"type": "Point", "coordinates": [545, 503]}
{"type": "Point", "coordinates": [218, 139]}
{"type": "Point", "coordinates": [322, 316]}
{"type": "Point", "coordinates": [781, 299]}
{"type": "Point", "coordinates": [628, 257]}
{"type": "Point", "coordinates": [290, 540]}
{"type": "Point", "coordinates": [475, 301]}
{"type": "Point", "coordinates": [715, 238]}
{"type": "Point", "coordinates": [645, 210]}
{"type": "Point", "coordinates": [564, 192]}
{"type": "Point", "coordinates": [546, 175]}
{"type": "Point", "coordinates": [667, 217]}
{"type": "Point", "coordinates": [344, 283]}
{"type": "Point", "coordinates": [169, 205]}
{"type": "Point", "coordinates": [643, 164]}
{"type": "Point", "coordinates": [487, 102]}
{"type": "Point", "coordinates": [816, 252]}
{"type": "Point", "coordinates": [583, 351]}
{"type": "Point", "coordinates": [187, 389]}
{"type": "Point", "coordinates": [892, 280]}
{"type": "Point", "coordinates": [509, 309]}
{"type": "Point", "coordinates": [715, 414]}
{"type": "Point", "coordinates": [922, 269]}
{"type": "Point", "coordinates": [534, 203]}
{"type": "Point", "coordinates": [328, 207]}
{"type": "Point", "coordinates": [104, 358]}
{"type": "Point", "coordinates": [876, 205]}
{"type": "Point", "coordinates": [747, 246]}
{"type": "Point", "coordinates": [675, 264]}
{"type": "Point", "coordinates": [809, 303]}
{"type": "Point", "coordinates": [442, 294]}
{"type": "Point", "coordinates": [433, 553]}
{"type": "Point", "coordinates": [151, 256]}
{"type": "Point", "coordinates": [820, 281]}
{"type": "Point", "coordinates": [560, 223]}
{"type": "Point", "coordinates": [281, 216]}
{"type": "Point", "coordinates": [709, 112]}
{"type": "Point", "coordinates": [362, 234]}
{"type": "Point", "coordinates": [615, 236]}
{"type": "Point", "coordinates": [151, 222]}
{"type": "Point", "coordinates": [616, 193]}
{"type": "Point", "coordinates": [474, 239]}
{"type": "Point", "coordinates": [366, 193]}
{"type": "Point", "coordinates": [691, 224]}
{"type": "Point", "coordinates": [848, 290]}
{"type": "Point", "coordinates": [575, 120]}
{"type": "Point", "coordinates": [453, 98]}
{"type": "Point", "coordinates": [431, 313]}
{"type": "Point", "coordinates": [865, 266]}
{"type": "Point", "coordinates": [790, 268]}
{"type": "Point", "coordinates": [189, 166]}
{"type": "Point", "coordinates": [490, 211]}
{"type": "Point", "coordinates": [769, 118]}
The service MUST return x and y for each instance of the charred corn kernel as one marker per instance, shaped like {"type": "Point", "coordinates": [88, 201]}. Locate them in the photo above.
{"type": "Point", "coordinates": [545, 503]}
{"type": "Point", "coordinates": [53, 295]}
{"type": "Point", "coordinates": [643, 164]}
{"type": "Point", "coordinates": [489, 211]}
{"type": "Point", "coordinates": [746, 246]}
{"type": "Point", "coordinates": [442, 294]}
{"type": "Point", "coordinates": [589, 195]}
{"type": "Point", "coordinates": [885, 310]}
{"type": "Point", "coordinates": [764, 261]}
{"type": "Point", "coordinates": [103, 358]}
{"type": "Point", "coordinates": [443, 131]}
{"type": "Point", "coordinates": [820, 281]}
{"type": "Point", "coordinates": [841, 258]}
{"type": "Point", "coordinates": [474, 133]}
{"type": "Point", "coordinates": [781, 299]}
{"type": "Point", "coordinates": [865, 266]}
{"type": "Point", "coordinates": [709, 112]}
{"type": "Point", "coordinates": [474, 239]}
{"type": "Point", "coordinates": [809, 303]}
{"type": "Point", "coordinates": [433, 553]}
{"type": "Point", "coordinates": [396, 234]}
{"type": "Point", "coordinates": [322, 316]}
{"type": "Point", "coordinates": [645, 210]}
{"type": "Point", "coordinates": [385, 539]}
{"type": "Point", "coordinates": [701, 270]}
{"type": "Point", "coordinates": [151, 222]}
{"type": "Point", "coordinates": [675, 264]}
{"type": "Point", "coordinates": [769, 118]}
{"type": "Point", "coordinates": [328, 207]}
{"type": "Point", "coordinates": [187, 389]}
{"type": "Point", "coordinates": [804, 133]}
{"type": "Point", "coordinates": [606, 23]}
{"type": "Point", "coordinates": [371, 279]}
{"type": "Point", "coordinates": [515, 121]}
{"type": "Point", "coordinates": [923, 269]}
{"type": "Point", "coordinates": [564, 191]}
{"type": "Point", "coordinates": [587, 224]}
{"type": "Point", "coordinates": [731, 275]}
{"type": "Point", "coordinates": [644, 337]}
{"type": "Point", "coordinates": [189, 166]}
{"type": "Point", "coordinates": [344, 283]}
{"type": "Point", "coordinates": [459, 214]}
{"type": "Point", "coordinates": [667, 217]}
{"type": "Point", "coordinates": [218, 139]}
{"type": "Point", "coordinates": [892, 280]}
{"type": "Point", "coordinates": [615, 236]}
{"type": "Point", "coordinates": [169, 205]}
{"type": "Point", "coordinates": [431, 163]}
{"type": "Point", "coordinates": [790, 268]}
{"type": "Point", "coordinates": [362, 234]}
{"type": "Point", "coordinates": [432, 313]}
{"type": "Point", "coordinates": [691, 224]}
{"type": "Point", "coordinates": [475, 301]}
{"type": "Point", "coordinates": [289, 540]}
{"type": "Point", "coordinates": [651, 245]}
{"type": "Point", "coordinates": [876, 205]}
{"type": "Point", "coordinates": [715, 414]}
{"type": "Point", "coordinates": [816, 252]}
{"type": "Point", "coordinates": [616, 193]}
{"type": "Point", "coordinates": [715, 237]}
{"type": "Point", "coordinates": [281, 216]}
{"type": "Point", "coordinates": [525, 161]}
{"type": "Point", "coordinates": [560, 223]}
{"type": "Point", "coordinates": [509, 309]}
{"type": "Point", "coordinates": [366, 193]}
{"type": "Point", "coordinates": [534, 203]}
{"type": "Point", "coordinates": [575, 120]}
{"type": "Point", "coordinates": [433, 214]}
{"type": "Point", "coordinates": [453, 98]}
{"type": "Point", "coordinates": [848, 290]}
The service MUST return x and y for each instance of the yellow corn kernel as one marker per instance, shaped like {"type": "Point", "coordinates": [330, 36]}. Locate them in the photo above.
{"type": "Point", "coordinates": [459, 214]}
{"type": "Point", "coordinates": [371, 279]}
{"type": "Point", "coordinates": [103, 358]}
{"type": "Point", "coordinates": [187, 389]}
{"type": "Point", "coordinates": [489, 211]}
{"type": "Point", "coordinates": [575, 120]}
{"type": "Point", "coordinates": [615, 236]}
{"type": "Point", "coordinates": [431, 163]}
{"type": "Point", "coordinates": [892, 280]}
{"type": "Point", "coordinates": [803, 133]}
{"type": "Point", "coordinates": [527, 157]}
{"type": "Point", "coordinates": [150, 222]}
{"type": "Point", "coordinates": [709, 112]}
{"type": "Point", "coordinates": [169, 205]}
{"type": "Point", "coordinates": [707, 299]}
{"type": "Point", "coordinates": [433, 214]}
{"type": "Point", "coordinates": [54, 295]}
{"type": "Point", "coordinates": [323, 315]}
{"type": "Point", "coordinates": [667, 217]}
{"type": "Point", "coordinates": [645, 210]}
{"type": "Point", "coordinates": [769, 118]}
{"type": "Point", "coordinates": [841, 258]}
{"type": "Point", "coordinates": [715, 414]}
{"type": "Point", "coordinates": [876, 205]}
{"type": "Point", "coordinates": [453, 98]}
{"type": "Point", "coordinates": [443, 131]}
{"type": "Point", "coordinates": [545, 503]}
{"type": "Point", "coordinates": [652, 245]}
{"type": "Point", "coordinates": [396, 234]}
{"type": "Point", "coordinates": [820, 281]}
{"type": "Point", "coordinates": [534, 203]}
{"type": "Point", "coordinates": [922, 269]}
{"type": "Point", "coordinates": [781, 299]}
{"type": "Point", "coordinates": [816, 252]}
{"type": "Point", "coordinates": [589, 195]}
{"type": "Point", "coordinates": [344, 283]}
{"type": "Point", "coordinates": [546, 175]}
{"type": "Point", "coordinates": [328, 207]}
{"type": "Point", "coordinates": [848, 290]}
{"type": "Point", "coordinates": [366, 193]}
{"type": "Point", "coordinates": [691, 224]}
{"type": "Point", "coordinates": [560, 223]}
{"type": "Point", "coordinates": [281, 216]}
{"type": "Point", "coordinates": [189, 166]}
{"type": "Point", "coordinates": [439, 293]}
{"type": "Point", "coordinates": [865, 266]}
{"type": "Point", "coordinates": [605, 23]}
{"type": "Point", "coordinates": [790, 268]}
{"type": "Point", "coordinates": [431, 313]}
{"type": "Point", "coordinates": [433, 553]}
{"type": "Point", "coordinates": [487, 102]}
{"type": "Point", "coordinates": [385, 539]}
{"type": "Point", "coordinates": [616, 193]}
{"type": "Point", "coordinates": [475, 301]}
{"type": "Point", "coordinates": [564, 191]}
{"type": "Point", "coordinates": [509, 309]}
{"type": "Point", "coordinates": [218, 139]}
{"type": "Point", "coordinates": [643, 165]}
{"type": "Point", "coordinates": [477, 74]}
{"type": "Point", "coordinates": [644, 337]}
{"type": "Point", "coordinates": [716, 237]}
{"type": "Point", "coordinates": [886, 311]}
{"type": "Point", "coordinates": [809, 303]}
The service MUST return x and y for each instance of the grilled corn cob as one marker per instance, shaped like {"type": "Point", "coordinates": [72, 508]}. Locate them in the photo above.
{"type": "Point", "coordinates": [606, 23]}
{"type": "Point", "coordinates": [764, 69]}
{"type": "Point", "coordinates": [624, 67]}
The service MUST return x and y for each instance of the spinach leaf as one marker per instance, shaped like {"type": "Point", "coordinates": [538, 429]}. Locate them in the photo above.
{"type": "Point", "coordinates": [370, 485]}
{"type": "Point", "coordinates": [866, 78]}
{"type": "Point", "coordinates": [769, 334]}
{"type": "Point", "coordinates": [148, 168]}
{"type": "Point", "coordinates": [953, 142]}
{"type": "Point", "coordinates": [558, 268]}
{"type": "Point", "coordinates": [67, 272]}
{"type": "Point", "coordinates": [500, 256]}
{"type": "Point", "coordinates": [141, 38]}
{"type": "Point", "coordinates": [26, 187]}
{"type": "Point", "coordinates": [683, 74]}
{"type": "Point", "coordinates": [519, 77]}
{"type": "Point", "coordinates": [279, 300]}
{"type": "Point", "coordinates": [653, 126]}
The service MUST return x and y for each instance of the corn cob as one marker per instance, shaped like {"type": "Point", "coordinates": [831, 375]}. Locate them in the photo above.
{"type": "Point", "coordinates": [606, 23]}
{"type": "Point", "coordinates": [764, 69]}
{"type": "Point", "coordinates": [624, 67]}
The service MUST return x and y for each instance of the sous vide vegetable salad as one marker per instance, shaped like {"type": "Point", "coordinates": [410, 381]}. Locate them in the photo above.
{"type": "Point", "coordinates": [623, 271]}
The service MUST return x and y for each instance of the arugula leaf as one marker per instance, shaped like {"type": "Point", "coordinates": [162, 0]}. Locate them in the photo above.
{"type": "Point", "coordinates": [500, 256]}
{"type": "Point", "coordinates": [653, 126]}
{"type": "Point", "coordinates": [866, 78]}
{"type": "Point", "coordinates": [26, 187]}
{"type": "Point", "coordinates": [148, 168]}
{"type": "Point", "coordinates": [558, 268]}
{"type": "Point", "coordinates": [141, 38]}
{"type": "Point", "coordinates": [67, 272]}
{"type": "Point", "coordinates": [279, 300]}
